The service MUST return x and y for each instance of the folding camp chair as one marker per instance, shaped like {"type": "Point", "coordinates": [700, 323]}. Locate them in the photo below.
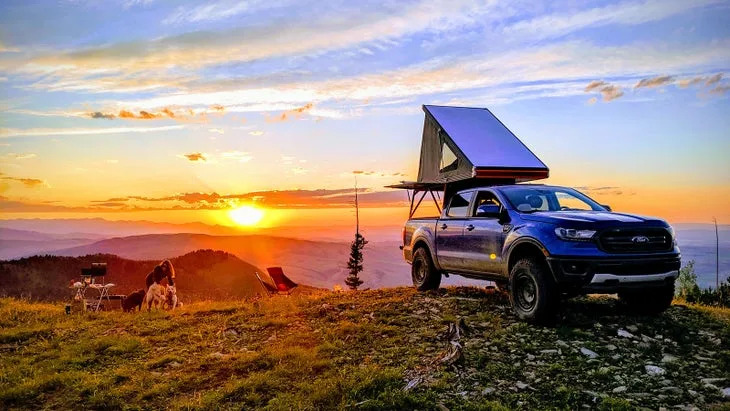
{"type": "Point", "coordinates": [282, 284]}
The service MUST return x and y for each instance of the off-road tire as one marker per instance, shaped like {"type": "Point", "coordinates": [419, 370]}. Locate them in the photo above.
{"type": "Point", "coordinates": [533, 292]}
{"type": "Point", "coordinates": [648, 301]}
{"type": "Point", "coordinates": [424, 274]}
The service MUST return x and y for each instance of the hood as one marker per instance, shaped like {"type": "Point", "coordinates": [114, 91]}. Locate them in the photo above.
{"type": "Point", "coordinates": [598, 219]}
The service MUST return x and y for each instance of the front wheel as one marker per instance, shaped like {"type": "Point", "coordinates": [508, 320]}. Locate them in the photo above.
{"type": "Point", "coordinates": [650, 301]}
{"type": "Point", "coordinates": [423, 273]}
{"type": "Point", "coordinates": [533, 292]}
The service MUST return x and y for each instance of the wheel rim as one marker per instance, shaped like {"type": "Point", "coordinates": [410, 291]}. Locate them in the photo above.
{"type": "Point", "coordinates": [419, 271]}
{"type": "Point", "coordinates": [525, 292]}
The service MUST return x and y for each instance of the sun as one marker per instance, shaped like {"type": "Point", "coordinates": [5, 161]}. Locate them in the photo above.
{"type": "Point", "coordinates": [246, 215]}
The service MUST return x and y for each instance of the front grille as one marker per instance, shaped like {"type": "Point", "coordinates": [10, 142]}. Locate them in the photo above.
{"type": "Point", "coordinates": [638, 267]}
{"type": "Point", "coordinates": [636, 240]}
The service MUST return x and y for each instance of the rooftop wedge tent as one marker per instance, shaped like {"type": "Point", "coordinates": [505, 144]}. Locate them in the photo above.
{"type": "Point", "coordinates": [467, 147]}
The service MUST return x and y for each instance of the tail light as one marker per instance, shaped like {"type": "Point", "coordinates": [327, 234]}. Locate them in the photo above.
{"type": "Point", "coordinates": [403, 235]}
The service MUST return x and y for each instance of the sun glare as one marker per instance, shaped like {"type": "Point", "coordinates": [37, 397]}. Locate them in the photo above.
{"type": "Point", "coordinates": [247, 215]}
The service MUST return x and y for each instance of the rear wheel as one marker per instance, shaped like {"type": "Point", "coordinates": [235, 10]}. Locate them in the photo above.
{"type": "Point", "coordinates": [650, 301]}
{"type": "Point", "coordinates": [423, 272]}
{"type": "Point", "coordinates": [533, 292]}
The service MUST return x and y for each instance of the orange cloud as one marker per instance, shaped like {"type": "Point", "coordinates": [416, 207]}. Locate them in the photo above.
{"type": "Point", "coordinates": [720, 90]}
{"type": "Point", "coordinates": [195, 157]}
{"type": "Point", "coordinates": [322, 198]}
{"type": "Point", "coordinates": [166, 112]}
{"type": "Point", "coordinates": [708, 81]}
{"type": "Point", "coordinates": [609, 92]}
{"type": "Point", "coordinates": [99, 114]}
{"type": "Point", "coordinates": [28, 182]}
{"type": "Point", "coordinates": [290, 114]}
{"type": "Point", "coordinates": [654, 82]}
{"type": "Point", "coordinates": [594, 85]}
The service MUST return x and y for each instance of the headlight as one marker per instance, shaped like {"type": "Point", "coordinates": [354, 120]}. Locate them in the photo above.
{"type": "Point", "coordinates": [572, 234]}
{"type": "Point", "coordinates": [672, 235]}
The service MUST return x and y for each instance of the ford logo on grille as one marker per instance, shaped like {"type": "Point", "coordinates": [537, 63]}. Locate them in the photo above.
{"type": "Point", "coordinates": [640, 239]}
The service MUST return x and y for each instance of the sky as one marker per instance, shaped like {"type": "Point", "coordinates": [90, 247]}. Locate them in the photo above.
{"type": "Point", "coordinates": [178, 111]}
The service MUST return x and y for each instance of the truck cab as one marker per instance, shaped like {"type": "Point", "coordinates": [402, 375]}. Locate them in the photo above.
{"type": "Point", "coordinates": [542, 243]}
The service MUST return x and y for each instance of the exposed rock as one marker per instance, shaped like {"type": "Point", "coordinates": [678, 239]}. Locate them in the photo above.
{"type": "Point", "coordinates": [673, 390]}
{"type": "Point", "coordinates": [611, 347]}
{"type": "Point", "coordinates": [632, 328]}
{"type": "Point", "coordinates": [726, 392]}
{"type": "Point", "coordinates": [625, 334]}
{"type": "Point", "coordinates": [667, 358]}
{"type": "Point", "coordinates": [174, 364]}
{"type": "Point", "coordinates": [588, 353]}
{"type": "Point", "coordinates": [521, 385]}
{"type": "Point", "coordinates": [562, 344]}
{"type": "Point", "coordinates": [620, 389]}
{"type": "Point", "coordinates": [654, 370]}
{"type": "Point", "coordinates": [488, 391]}
{"type": "Point", "coordinates": [412, 384]}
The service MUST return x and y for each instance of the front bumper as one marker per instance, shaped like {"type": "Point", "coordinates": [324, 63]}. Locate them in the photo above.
{"type": "Point", "coordinates": [608, 275]}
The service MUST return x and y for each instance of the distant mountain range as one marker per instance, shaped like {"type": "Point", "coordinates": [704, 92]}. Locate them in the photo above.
{"type": "Point", "coordinates": [305, 253]}
{"type": "Point", "coordinates": [201, 274]}
{"type": "Point", "coordinates": [318, 263]}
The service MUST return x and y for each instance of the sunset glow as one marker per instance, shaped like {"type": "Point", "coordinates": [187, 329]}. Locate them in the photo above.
{"type": "Point", "coordinates": [247, 216]}
{"type": "Point", "coordinates": [201, 106]}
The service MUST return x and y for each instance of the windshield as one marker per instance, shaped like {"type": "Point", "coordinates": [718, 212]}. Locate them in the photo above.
{"type": "Point", "coordinates": [533, 199]}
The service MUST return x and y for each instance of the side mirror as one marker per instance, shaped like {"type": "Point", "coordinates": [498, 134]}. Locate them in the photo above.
{"type": "Point", "coordinates": [607, 207]}
{"type": "Point", "coordinates": [489, 210]}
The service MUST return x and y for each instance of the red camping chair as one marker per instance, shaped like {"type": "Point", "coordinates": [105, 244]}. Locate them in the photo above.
{"type": "Point", "coordinates": [282, 284]}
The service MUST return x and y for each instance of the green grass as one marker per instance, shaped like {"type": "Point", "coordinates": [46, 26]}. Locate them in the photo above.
{"type": "Point", "coordinates": [357, 351]}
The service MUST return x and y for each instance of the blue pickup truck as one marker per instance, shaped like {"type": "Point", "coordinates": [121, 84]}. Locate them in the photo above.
{"type": "Point", "coordinates": [542, 243]}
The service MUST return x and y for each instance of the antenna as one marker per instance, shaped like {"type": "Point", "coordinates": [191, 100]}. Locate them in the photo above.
{"type": "Point", "coordinates": [717, 256]}
{"type": "Point", "coordinates": [357, 211]}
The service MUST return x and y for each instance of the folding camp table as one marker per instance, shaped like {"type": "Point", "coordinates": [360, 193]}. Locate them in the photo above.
{"type": "Point", "coordinates": [103, 290]}
{"type": "Point", "coordinates": [93, 278]}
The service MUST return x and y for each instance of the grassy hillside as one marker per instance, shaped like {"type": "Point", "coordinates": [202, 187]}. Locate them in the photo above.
{"type": "Point", "coordinates": [202, 274]}
{"type": "Point", "coordinates": [379, 349]}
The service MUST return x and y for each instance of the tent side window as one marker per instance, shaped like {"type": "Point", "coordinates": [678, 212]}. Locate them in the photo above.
{"type": "Point", "coordinates": [449, 161]}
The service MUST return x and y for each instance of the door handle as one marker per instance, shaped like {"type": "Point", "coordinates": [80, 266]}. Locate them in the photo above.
{"type": "Point", "coordinates": [469, 227]}
{"type": "Point", "coordinates": [443, 226]}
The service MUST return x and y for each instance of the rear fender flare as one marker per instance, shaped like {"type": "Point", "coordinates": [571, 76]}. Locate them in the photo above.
{"type": "Point", "coordinates": [424, 236]}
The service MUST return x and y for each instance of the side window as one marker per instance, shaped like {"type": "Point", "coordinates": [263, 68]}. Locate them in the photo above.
{"type": "Point", "coordinates": [448, 159]}
{"type": "Point", "coordinates": [485, 198]}
{"type": "Point", "coordinates": [459, 205]}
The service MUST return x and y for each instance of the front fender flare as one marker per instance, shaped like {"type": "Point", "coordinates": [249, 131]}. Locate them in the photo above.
{"type": "Point", "coordinates": [525, 240]}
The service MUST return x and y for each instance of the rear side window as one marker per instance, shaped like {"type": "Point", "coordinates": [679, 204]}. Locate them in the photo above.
{"type": "Point", "coordinates": [459, 205]}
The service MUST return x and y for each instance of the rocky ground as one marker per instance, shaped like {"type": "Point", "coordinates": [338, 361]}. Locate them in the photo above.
{"type": "Point", "coordinates": [458, 348]}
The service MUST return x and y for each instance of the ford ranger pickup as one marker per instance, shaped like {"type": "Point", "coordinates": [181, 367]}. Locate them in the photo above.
{"type": "Point", "coordinates": [541, 243]}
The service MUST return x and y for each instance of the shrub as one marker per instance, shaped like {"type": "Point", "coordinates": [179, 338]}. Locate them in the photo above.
{"type": "Point", "coordinates": [688, 290]}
